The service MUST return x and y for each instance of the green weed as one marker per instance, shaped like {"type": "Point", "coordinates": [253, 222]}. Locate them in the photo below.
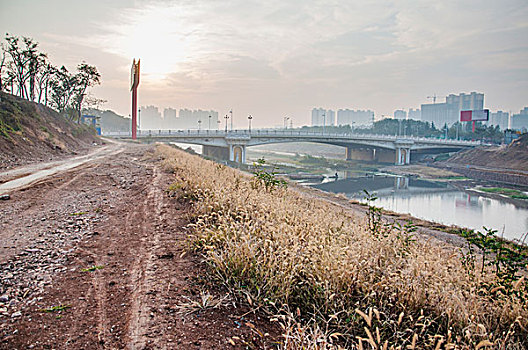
{"type": "Point", "coordinates": [93, 268]}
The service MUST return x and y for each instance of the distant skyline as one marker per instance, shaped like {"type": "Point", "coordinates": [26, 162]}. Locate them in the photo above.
{"type": "Point", "coordinates": [282, 58]}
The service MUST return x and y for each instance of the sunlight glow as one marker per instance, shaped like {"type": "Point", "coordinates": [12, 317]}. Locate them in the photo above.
{"type": "Point", "coordinates": [155, 35]}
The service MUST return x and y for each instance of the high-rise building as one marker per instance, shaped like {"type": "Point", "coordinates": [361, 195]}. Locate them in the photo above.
{"type": "Point", "coordinates": [500, 119]}
{"type": "Point", "coordinates": [449, 111]}
{"type": "Point", "coordinates": [400, 114]}
{"type": "Point", "coordinates": [194, 119]}
{"type": "Point", "coordinates": [170, 120]}
{"type": "Point", "coordinates": [321, 116]}
{"type": "Point", "coordinates": [150, 118]}
{"type": "Point", "coordinates": [520, 121]}
{"type": "Point", "coordinates": [355, 117]}
{"type": "Point", "coordinates": [414, 114]}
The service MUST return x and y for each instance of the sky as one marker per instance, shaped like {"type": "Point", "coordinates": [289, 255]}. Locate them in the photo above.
{"type": "Point", "coordinates": [273, 59]}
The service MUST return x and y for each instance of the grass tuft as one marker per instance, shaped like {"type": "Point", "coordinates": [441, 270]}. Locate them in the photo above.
{"type": "Point", "coordinates": [93, 268]}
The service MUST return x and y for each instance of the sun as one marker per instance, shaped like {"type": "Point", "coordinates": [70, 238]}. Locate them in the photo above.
{"type": "Point", "coordinates": [156, 37]}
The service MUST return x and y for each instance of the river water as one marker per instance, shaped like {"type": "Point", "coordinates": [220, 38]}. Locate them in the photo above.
{"type": "Point", "coordinates": [437, 202]}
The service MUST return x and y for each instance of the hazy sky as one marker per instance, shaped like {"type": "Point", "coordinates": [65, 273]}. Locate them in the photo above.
{"type": "Point", "coordinates": [275, 58]}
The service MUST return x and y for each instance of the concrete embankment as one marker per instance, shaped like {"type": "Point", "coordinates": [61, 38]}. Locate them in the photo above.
{"type": "Point", "coordinates": [506, 176]}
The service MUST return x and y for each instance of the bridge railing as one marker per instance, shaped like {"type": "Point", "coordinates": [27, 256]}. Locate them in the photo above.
{"type": "Point", "coordinates": [285, 133]}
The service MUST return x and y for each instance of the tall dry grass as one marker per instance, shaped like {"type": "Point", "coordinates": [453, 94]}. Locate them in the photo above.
{"type": "Point", "coordinates": [346, 286]}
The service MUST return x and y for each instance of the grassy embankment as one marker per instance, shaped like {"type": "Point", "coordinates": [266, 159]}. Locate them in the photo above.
{"type": "Point", "coordinates": [516, 194]}
{"type": "Point", "coordinates": [334, 278]}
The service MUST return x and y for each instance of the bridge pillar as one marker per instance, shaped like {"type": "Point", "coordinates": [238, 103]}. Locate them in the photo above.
{"type": "Point", "coordinates": [365, 154]}
{"type": "Point", "coordinates": [216, 152]}
{"type": "Point", "coordinates": [403, 156]}
{"type": "Point", "coordinates": [237, 153]}
{"type": "Point", "coordinates": [385, 155]}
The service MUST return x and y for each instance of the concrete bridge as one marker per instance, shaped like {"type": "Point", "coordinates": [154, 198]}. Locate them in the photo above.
{"type": "Point", "coordinates": [231, 145]}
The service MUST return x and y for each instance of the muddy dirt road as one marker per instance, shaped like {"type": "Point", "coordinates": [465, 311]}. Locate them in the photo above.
{"type": "Point", "coordinates": [96, 257]}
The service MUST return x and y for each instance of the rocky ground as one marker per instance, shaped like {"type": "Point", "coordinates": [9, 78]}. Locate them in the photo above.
{"type": "Point", "coordinates": [97, 257]}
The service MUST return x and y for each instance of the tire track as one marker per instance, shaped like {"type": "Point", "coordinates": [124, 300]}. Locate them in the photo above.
{"type": "Point", "coordinates": [142, 271]}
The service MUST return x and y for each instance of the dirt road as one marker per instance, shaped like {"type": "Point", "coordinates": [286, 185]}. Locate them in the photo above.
{"type": "Point", "coordinates": [96, 257]}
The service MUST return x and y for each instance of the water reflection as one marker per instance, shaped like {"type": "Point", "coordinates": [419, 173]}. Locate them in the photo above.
{"type": "Point", "coordinates": [437, 202]}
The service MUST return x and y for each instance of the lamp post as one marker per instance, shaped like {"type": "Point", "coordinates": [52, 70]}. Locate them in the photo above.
{"type": "Point", "coordinates": [226, 118]}
{"type": "Point", "coordinates": [139, 118]}
{"type": "Point", "coordinates": [218, 122]}
{"type": "Point", "coordinates": [286, 122]}
{"type": "Point", "coordinates": [210, 122]}
{"type": "Point", "coordinates": [249, 120]}
{"type": "Point", "coordinates": [199, 125]}
{"type": "Point", "coordinates": [231, 114]}
{"type": "Point", "coordinates": [324, 122]}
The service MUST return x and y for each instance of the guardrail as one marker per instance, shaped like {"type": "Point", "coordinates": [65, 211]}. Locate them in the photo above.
{"type": "Point", "coordinates": [286, 133]}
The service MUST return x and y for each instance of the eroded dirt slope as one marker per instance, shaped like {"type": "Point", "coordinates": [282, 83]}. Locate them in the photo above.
{"type": "Point", "coordinates": [513, 156]}
{"type": "Point", "coordinates": [97, 258]}
{"type": "Point", "coordinates": [31, 132]}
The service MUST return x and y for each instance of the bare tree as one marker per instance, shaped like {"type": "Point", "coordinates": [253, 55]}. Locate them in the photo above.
{"type": "Point", "coordinates": [2, 64]}
{"type": "Point", "coordinates": [23, 61]}
{"type": "Point", "coordinates": [35, 78]}
{"type": "Point", "coordinates": [86, 76]}
{"type": "Point", "coordinates": [63, 85]}
{"type": "Point", "coordinates": [42, 80]}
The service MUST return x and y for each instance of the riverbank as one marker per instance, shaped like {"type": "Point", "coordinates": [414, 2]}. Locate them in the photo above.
{"type": "Point", "coordinates": [293, 253]}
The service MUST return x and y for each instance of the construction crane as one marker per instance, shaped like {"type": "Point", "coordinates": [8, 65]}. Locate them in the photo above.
{"type": "Point", "coordinates": [434, 97]}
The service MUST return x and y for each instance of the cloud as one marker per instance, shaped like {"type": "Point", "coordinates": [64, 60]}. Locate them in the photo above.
{"type": "Point", "coordinates": [371, 54]}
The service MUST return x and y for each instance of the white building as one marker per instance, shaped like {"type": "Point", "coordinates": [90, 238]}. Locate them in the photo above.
{"type": "Point", "coordinates": [499, 118]}
{"type": "Point", "coordinates": [449, 111]}
{"type": "Point", "coordinates": [414, 114]}
{"type": "Point", "coordinates": [519, 121]}
{"type": "Point", "coordinates": [400, 114]}
{"type": "Point", "coordinates": [321, 116]}
{"type": "Point", "coordinates": [150, 118]}
{"type": "Point", "coordinates": [355, 117]}
{"type": "Point", "coordinates": [194, 119]}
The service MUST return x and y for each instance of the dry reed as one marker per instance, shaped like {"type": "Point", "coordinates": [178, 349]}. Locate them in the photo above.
{"type": "Point", "coordinates": [349, 287]}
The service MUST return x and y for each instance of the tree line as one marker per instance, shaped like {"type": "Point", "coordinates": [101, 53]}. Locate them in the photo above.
{"type": "Point", "coordinates": [27, 72]}
{"type": "Point", "coordinates": [409, 127]}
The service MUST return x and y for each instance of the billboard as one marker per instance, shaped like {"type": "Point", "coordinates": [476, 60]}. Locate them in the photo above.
{"type": "Point", "coordinates": [474, 116]}
{"type": "Point", "coordinates": [134, 75]}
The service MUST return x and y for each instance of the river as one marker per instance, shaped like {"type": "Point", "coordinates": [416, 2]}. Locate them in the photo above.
{"type": "Point", "coordinates": [437, 202]}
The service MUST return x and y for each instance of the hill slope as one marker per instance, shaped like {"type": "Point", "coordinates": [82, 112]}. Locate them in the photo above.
{"type": "Point", "coordinates": [513, 156]}
{"type": "Point", "coordinates": [31, 132]}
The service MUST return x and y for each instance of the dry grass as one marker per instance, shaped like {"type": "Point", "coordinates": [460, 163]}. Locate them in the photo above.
{"type": "Point", "coordinates": [349, 288]}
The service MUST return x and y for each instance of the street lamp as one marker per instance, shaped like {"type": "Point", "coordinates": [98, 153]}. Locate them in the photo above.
{"type": "Point", "coordinates": [139, 118]}
{"type": "Point", "coordinates": [324, 122]}
{"type": "Point", "coordinates": [249, 119]}
{"type": "Point", "coordinates": [218, 122]}
{"type": "Point", "coordinates": [199, 125]}
{"type": "Point", "coordinates": [286, 122]}
{"type": "Point", "coordinates": [210, 122]}
{"type": "Point", "coordinates": [226, 118]}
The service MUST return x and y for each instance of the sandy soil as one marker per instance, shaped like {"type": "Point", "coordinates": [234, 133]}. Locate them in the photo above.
{"type": "Point", "coordinates": [113, 216]}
